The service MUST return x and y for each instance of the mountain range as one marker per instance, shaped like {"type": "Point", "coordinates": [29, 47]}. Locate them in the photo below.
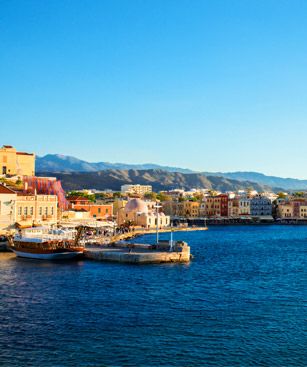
{"type": "Point", "coordinates": [159, 179]}
{"type": "Point", "coordinates": [57, 163]}
{"type": "Point", "coordinates": [64, 163]}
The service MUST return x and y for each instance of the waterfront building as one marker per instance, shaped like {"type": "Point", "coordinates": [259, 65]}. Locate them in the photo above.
{"type": "Point", "coordinates": [191, 209]}
{"type": "Point", "coordinates": [26, 209]}
{"type": "Point", "coordinates": [143, 214]}
{"type": "Point", "coordinates": [285, 210]}
{"type": "Point", "coordinates": [213, 206]}
{"type": "Point", "coordinates": [14, 163]}
{"type": "Point", "coordinates": [7, 208]}
{"type": "Point", "coordinates": [35, 208]}
{"type": "Point", "coordinates": [297, 203]}
{"type": "Point", "coordinates": [202, 209]}
{"type": "Point", "coordinates": [303, 212]}
{"type": "Point", "coordinates": [260, 206]}
{"type": "Point", "coordinates": [136, 189]}
{"type": "Point", "coordinates": [233, 208]}
{"type": "Point", "coordinates": [217, 206]}
{"type": "Point", "coordinates": [244, 206]}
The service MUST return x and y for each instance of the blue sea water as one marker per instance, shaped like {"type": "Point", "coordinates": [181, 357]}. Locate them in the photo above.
{"type": "Point", "coordinates": [240, 302]}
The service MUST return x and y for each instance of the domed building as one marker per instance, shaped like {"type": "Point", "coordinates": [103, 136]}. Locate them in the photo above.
{"type": "Point", "coordinates": [142, 214]}
{"type": "Point", "coordinates": [136, 206]}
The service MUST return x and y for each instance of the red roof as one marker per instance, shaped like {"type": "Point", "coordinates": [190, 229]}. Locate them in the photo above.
{"type": "Point", "coordinates": [6, 190]}
{"type": "Point", "coordinates": [23, 153]}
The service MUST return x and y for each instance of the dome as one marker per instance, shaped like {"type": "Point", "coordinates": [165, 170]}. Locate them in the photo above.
{"type": "Point", "coordinates": [136, 205]}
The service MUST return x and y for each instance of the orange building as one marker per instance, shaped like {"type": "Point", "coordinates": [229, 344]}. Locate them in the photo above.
{"type": "Point", "coordinates": [96, 210]}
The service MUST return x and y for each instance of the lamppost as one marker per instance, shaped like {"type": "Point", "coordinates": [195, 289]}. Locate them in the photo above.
{"type": "Point", "coordinates": [157, 215]}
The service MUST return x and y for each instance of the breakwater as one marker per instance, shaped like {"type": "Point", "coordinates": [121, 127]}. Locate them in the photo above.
{"type": "Point", "coordinates": [141, 253]}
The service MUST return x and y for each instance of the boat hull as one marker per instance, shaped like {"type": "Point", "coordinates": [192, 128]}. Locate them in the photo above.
{"type": "Point", "coordinates": [65, 255]}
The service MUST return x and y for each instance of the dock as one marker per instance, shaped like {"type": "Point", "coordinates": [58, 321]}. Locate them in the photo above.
{"type": "Point", "coordinates": [141, 253]}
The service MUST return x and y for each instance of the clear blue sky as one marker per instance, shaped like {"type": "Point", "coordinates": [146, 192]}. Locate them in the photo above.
{"type": "Point", "coordinates": [209, 85]}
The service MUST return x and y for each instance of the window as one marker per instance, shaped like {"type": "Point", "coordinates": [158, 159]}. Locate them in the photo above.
{"type": "Point", "coordinates": [31, 210]}
{"type": "Point", "coordinates": [25, 210]}
{"type": "Point", "coordinates": [40, 210]}
{"type": "Point", "coordinates": [52, 210]}
{"type": "Point", "coordinates": [99, 210]}
{"type": "Point", "coordinates": [46, 210]}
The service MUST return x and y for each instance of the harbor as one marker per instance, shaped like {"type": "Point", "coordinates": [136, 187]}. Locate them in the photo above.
{"type": "Point", "coordinates": [61, 244]}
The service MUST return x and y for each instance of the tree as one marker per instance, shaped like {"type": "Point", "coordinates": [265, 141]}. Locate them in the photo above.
{"type": "Point", "coordinates": [163, 197]}
{"type": "Point", "coordinates": [150, 196]}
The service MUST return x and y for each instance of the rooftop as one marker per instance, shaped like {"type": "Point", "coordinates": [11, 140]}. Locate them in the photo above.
{"type": "Point", "coordinates": [6, 190]}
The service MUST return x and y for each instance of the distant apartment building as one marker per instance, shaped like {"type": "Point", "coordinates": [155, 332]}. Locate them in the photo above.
{"type": "Point", "coordinates": [260, 206]}
{"type": "Point", "coordinates": [136, 189]}
{"type": "Point", "coordinates": [14, 163]}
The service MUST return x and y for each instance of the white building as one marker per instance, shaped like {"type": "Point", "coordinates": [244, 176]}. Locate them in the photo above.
{"type": "Point", "coordinates": [7, 208]}
{"type": "Point", "coordinates": [136, 189]}
{"type": "Point", "coordinates": [143, 214]}
{"type": "Point", "coordinates": [244, 206]}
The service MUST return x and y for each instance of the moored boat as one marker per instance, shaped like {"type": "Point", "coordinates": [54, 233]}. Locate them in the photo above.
{"type": "Point", "coordinates": [46, 244]}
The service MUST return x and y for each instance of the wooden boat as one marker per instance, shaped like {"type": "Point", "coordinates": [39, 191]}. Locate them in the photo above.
{"type": "Point", "coordinates": [45, 244]}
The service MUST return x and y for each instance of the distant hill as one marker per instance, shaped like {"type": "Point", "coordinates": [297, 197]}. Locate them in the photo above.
{"type": "Point", "coordinates": [64, 163]}
{"type": "Point", "coordinates": [61, 163]}
{"type": "Point", "coordinates": [159, 179]}
{"type": "Point", "coordinates": [272, 181]}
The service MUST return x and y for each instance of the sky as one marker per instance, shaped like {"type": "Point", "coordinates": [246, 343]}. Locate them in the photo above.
{"type": "Point", "coordinates": [208, 85]}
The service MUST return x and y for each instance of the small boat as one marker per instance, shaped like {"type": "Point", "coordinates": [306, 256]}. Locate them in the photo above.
{"type": "Point", "coordinates": [47, 244]}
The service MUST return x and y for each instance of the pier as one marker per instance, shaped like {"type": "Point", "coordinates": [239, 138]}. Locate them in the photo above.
{"type": "Point", "coordinates": [141, 253]}
{"type": "Point", "coordinates": [140, 232]}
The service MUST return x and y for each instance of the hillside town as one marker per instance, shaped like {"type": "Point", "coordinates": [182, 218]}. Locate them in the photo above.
{"type": "Point", "coordinates": [29, 200]}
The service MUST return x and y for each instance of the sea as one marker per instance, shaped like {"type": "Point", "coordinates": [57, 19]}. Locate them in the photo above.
{"type": "Point", "coordinates": [240, 302]}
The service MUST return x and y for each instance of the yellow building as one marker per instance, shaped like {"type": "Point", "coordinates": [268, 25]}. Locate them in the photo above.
{"type": "Point", "coordinates": [303, 212]}
{"type": "Point", "coordinates": [285, 210]}
{"type": "Point", "coordinates": [39, 209]}
{"type": "Point", "coordinates": [16, 163]}
{"type": "Point", "coordinates": [191, 209]}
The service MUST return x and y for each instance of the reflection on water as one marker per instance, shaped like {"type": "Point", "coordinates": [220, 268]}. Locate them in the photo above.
{"type": "Point", "coordinates": [239, 303]}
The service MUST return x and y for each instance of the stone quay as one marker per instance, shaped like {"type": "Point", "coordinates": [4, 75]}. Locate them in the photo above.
{"type": "Point", "coordinates": [141, 253]}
